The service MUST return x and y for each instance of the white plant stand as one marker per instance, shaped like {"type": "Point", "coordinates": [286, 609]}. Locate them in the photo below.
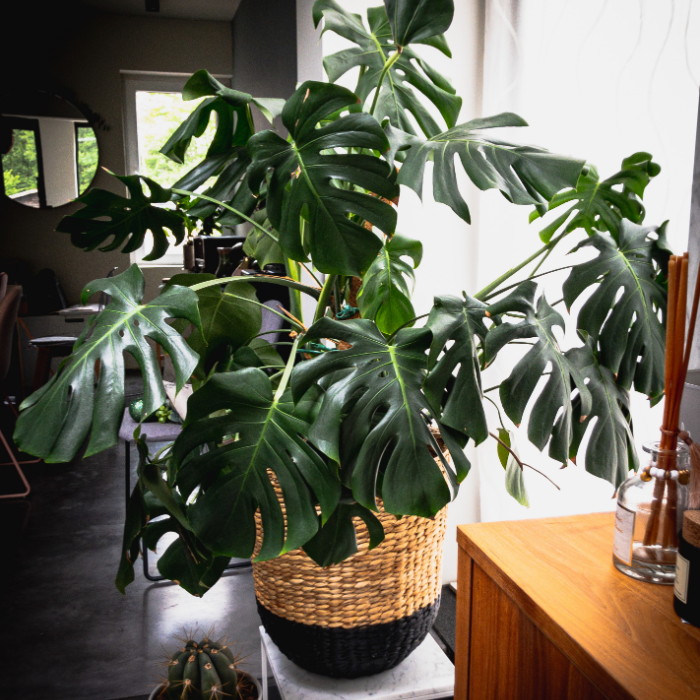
{"type": "Point", "coordinates": [427, 674]}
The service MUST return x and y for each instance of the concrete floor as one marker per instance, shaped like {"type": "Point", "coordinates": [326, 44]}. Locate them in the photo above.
{"type": "Point", "coordinates": [68, 633]}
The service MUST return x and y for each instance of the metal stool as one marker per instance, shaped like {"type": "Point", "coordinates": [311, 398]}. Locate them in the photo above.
{"type": "Point", "coordinates": [152, 432]}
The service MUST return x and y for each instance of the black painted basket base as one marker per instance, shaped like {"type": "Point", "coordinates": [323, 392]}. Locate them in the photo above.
{"type": "Point", "coordinates": [349, 653]}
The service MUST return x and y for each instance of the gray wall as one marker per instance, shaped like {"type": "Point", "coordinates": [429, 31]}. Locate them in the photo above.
{"type": "Point", "coordinates": [265, 50]}
{"type": "Point", "coordinates": [86, 56]}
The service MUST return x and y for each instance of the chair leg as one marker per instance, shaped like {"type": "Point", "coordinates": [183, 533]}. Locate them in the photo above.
{"type": "Point", "coordinates": [16, 464]}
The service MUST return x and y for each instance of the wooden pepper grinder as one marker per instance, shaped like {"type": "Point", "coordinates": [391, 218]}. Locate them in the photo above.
{"type": "Point", "coordinates": [687, 586]}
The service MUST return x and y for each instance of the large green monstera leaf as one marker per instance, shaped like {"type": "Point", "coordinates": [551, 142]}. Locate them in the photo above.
{"type": "Point", "coordinates": [601, 206]}
{"type": "Point", "coordinates": [628, 331]}
{"type": "Point", "coordinates": [106, 215]}
{"type": "Point", "coordinates": [518, 389]}
{"type": "Point", "coordinates": [610, 453]}
{"type": "Point", "coordinates": [227, 158]}
{"type": "Point", "coordinates": [374, 417]}
{"type": "Point", "coordinates": [55, 421]}
{"type": "Point", "coordinates": [457, 398]}
{"type": "Point", "coordinates": [523, 174]}
{"type": "Point", "coordinates": [375, 49]}
{"type": "Point", "coordinates": [385, 295]}
{"type": "Point", "coordinates": [312, 181]}
{"type": "Point", "coordinates": [257, 432]}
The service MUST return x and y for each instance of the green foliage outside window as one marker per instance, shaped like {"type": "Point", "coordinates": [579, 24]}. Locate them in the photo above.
{"type": "Point", "coordinates": [87, 156]}
{"type": "Point", "coordinates": [158, 115]}
{"type": "Point", "coordinates": [19, 166]}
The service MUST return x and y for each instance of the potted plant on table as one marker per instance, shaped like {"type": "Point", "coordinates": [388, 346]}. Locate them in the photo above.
{"type": "Point", "coordinates": [332, 467]}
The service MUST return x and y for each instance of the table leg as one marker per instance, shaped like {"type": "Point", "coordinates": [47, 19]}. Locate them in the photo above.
{"type": "Point", "coordinates": [42, 369]}
{"type": "Point", "coordinates": [263, 655]}
{"type": "Point", "coordinates": [127, 469]}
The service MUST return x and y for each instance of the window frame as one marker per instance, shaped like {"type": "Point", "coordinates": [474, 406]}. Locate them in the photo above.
{"type": "Point", "coordinates": [147, 81]}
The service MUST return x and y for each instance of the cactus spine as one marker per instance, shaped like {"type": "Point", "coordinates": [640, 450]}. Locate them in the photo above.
{"type": "Point", "coordinates": [205, 669]}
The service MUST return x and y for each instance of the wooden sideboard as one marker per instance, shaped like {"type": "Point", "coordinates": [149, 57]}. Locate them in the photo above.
{"type": "Point", "coordinates": [542, 614]}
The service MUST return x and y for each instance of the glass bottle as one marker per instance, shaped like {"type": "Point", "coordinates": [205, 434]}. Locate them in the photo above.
{"type": "Point", "coordinates": [226, 266]}
{"type": "Point", "coordinates": [649, 516]}
{"type": "Point", "coordinates": [686, 599]}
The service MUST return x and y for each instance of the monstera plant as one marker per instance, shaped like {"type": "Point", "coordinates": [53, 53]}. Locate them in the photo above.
{"type": "Point", "coordinates": [371, 396]}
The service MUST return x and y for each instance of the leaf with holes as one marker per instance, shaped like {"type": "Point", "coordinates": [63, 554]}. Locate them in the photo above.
{"type": "Point", "coordinates": [517, 391]}
{"type": "Point", "coordinates": [106, 215]}
{"type": "Point", "coordinates": [258, 433]}
{"type": "Point", "coordinates": [523, 174]}
{"type": "Point", "coordinates": [227, 158]}
{"type": "Point", "coordinates": [457, 399]}
{"type": "Point", "coordinates": [610, 453]}
{"type": "Point", "coordinates": [55, 421]}
{"type": "Point", "coordinates": [374, 417]}
{"type": "Point", "coordinates": [627, 331]}
{"type": "Point", "coordinates": [599, 206]}
{"type": "Point", "coordinates": [374, 48]}
{"type": "Point", "coordinates": [385, 295]}
{"type": "Point", "coordinates": [310, 182]}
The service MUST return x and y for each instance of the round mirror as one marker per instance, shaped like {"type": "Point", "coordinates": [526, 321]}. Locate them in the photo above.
{"type": "Point", "coordinates": [48, 150]}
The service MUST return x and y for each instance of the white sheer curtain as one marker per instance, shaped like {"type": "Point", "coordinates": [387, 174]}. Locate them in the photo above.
{"type": "Point", "coordinates": [598, 79]}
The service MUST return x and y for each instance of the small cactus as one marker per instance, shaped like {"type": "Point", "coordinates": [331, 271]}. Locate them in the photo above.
{"type": "Point", "coordinates": [205, 669]}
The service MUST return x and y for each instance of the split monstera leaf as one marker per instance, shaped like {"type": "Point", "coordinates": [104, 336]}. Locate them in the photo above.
{"type": "Point", "coordinates": [305, 447]}
{"type": "Point", "coordinates": [80, 399]}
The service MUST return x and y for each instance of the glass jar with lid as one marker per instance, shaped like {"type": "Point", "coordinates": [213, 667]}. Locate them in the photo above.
{"type": "Point", "coordinates": [649, 515]}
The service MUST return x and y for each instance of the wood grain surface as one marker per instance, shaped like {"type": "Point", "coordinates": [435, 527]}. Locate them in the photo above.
{"type": "Point", "coordinates": [548, 616]}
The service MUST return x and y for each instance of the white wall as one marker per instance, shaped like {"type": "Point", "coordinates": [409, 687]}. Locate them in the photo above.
{"type": "Point", "coordinates": [58, 158]}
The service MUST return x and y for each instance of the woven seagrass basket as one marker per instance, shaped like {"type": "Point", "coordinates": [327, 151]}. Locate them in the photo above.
{"type": "Point", "coordinates": [362, 616]}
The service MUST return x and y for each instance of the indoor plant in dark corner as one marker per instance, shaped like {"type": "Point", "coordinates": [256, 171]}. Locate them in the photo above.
{"type": "Point", "coordinates": [297, 461]}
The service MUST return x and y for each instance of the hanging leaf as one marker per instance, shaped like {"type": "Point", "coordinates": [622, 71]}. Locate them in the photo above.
{"type": "Point", "coordinates": [599, 206]}
{"type": "Point", "coordinates": [385, 295]}
{"type": "Point", "coordinates": [309, 182]}
{"type": "Point", "coordinates": [336, 540]}
{"type": "Point", "coordinates": [457, 398]}
{"type": "Point", "coordinates": [186, 561]}
{"type": "Point", "coordinates": [374, 418]}
{"type": "Point", "coordinates": [610, 453]}
{"type": "Point", "coordinates": [230, 318]}
{"type": "Point", "coordinates": [515, 481]}
{"type": "Point", "coordinates": [257, 433]}
{"type": "Point", "coordinates": [518, 389]}
{"type": "Point", "coordinates": [55, 421]}
{"type": "Point", "coordinates": [523, 174]}
{"type": "Point", "coordinates": [127, 219]}
{"type": "Point", "coordinates": [627, 330]}
{"type": "Point", "coordinates": [227, 157]}
{"type": "Point", "coordinates": [374, 49]}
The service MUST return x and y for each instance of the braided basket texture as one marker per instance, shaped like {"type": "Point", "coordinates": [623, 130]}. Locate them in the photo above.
{"type": "Point", "coordinates": [364, 615]}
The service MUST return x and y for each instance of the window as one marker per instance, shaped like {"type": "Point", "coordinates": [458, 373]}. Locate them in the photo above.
{"type": "Point", "coordinates": [86, 155]}
{"type": "Point", "coordinates": [154, 108]}
{"type": "Point", "coordinates": [20, 166]}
